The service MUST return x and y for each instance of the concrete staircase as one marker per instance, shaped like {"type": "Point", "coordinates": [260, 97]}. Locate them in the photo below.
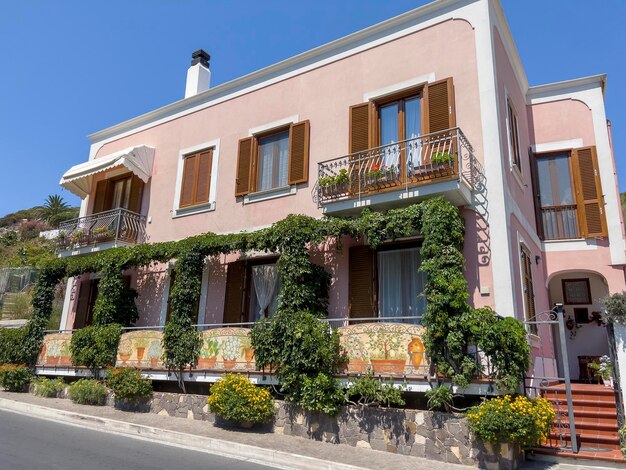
{"type": "Point", "coordinates": [595, 418]}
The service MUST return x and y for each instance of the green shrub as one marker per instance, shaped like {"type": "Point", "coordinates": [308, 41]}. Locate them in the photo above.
{"type": "Point", "coordinates": [615, 305]}
{"type": "Point", "coordinates": [306, 354]}
{"type": "Point", "coordinates": [622, 433]}
{"type": "Point", "coordinates": [520, 420]}
{"type": "Point", "coordinates": [14, 378]}
{"type": "Point", "coordinates": [48, 388]}
{"type": "Point", "coordinates": [235, 398]}
{"type": "Point", "coordinates": [439, 398]}
{"type": "Point", "coordinates": [12, 349]}
{"type": "Point", "coordinates": [128, 384]}
{"type": "Point", "coordinates": [88, 392]}
{"type": "Point", "coordinates": [370, 391]}
{"type": "Point", "coordinates": [95, 346]}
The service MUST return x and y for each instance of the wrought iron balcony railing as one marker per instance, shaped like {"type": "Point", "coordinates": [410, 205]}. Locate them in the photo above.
{"type": "Point", "coordinates": [560, 222]}
{"type": "Point", "coordinates": [440, 156]}
{"type": "Point", "coordinates": [117, 225]}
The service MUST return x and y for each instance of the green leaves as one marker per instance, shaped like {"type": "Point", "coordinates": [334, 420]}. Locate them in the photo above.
{"type": "Point", "coordinates": [370, 391]}
{"type": "Point", "coordinates": [128, 384]}
{"type": "Point", "coordinates": [95, 346]}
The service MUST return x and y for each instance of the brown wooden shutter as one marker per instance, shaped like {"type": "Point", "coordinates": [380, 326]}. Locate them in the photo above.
{"type": "Point", "coordinates": [535, 191]}
{"type": "Point", "coordinates": [360, 128]}
{"type": "Point", "coordinates": [361, 280]}
{"type": "Point", "coordinates": [136, 191]}
{"type": "Point", "coordinates": [100, 198]}
{"type": "Point", "coordinates": [439, 106]}
{"type": "Point", "coordinates": [527, 283]}
{"type": "Point", "coordinates": [299, 152]}
{"type": "Point", "coordinates": [233, 301]}
{"type": "Point", "coordinates": [203, 176]}
{"type": "Point", "coordinates": [189, 176]}
{"type": "Point", "coordinates": [82, 305]}
{"type": "Point", "coordinates": [589, 192]}
{"type": "Point", "coordinates": [243, 184]}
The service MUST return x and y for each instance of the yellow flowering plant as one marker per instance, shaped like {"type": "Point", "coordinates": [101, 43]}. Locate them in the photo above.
{"type": "Point", "coordinates": [520, 420]}
{"type": "Point", "coordinates": [235, 398]}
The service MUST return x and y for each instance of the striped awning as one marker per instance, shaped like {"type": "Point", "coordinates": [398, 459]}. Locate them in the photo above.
{"type": "Point", "coordinates": [137, 159]}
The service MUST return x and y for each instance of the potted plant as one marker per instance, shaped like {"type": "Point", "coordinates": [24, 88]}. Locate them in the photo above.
{"type": "Point", "coordinates": [154, 353]}
{"type": "Point", "coordinates": [442, 161]}
{"type": "Point", "coordinates": [387, 354]}
{"type": "Point", "coordinates": [208, 354]}
{"type": "Point", "coordinates": [336, 184]}
{"type": "Point", "coordinates": [603, 370]}
{"type": "Point", "coordinates": [76, 237]}
{"type": "Point", "coordinates": [65, 353]}
{"type": "Point", "coordinates": [231, 349]}
{"type": "Point", "coordinates": [103, 233]}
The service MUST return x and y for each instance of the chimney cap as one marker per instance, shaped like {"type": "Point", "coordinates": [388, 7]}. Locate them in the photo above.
{"type": "Point", "coordinates": [200, 57]}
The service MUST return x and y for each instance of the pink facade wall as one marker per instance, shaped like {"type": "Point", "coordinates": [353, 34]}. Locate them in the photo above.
{"type": "Point", "coordinates": [323, 96]}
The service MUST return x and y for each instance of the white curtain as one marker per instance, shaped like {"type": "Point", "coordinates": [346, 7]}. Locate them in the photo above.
{"type": "Point", "coordinates": [400, 284]}
{"type": "Point", "coordinates": [265, 280]}
{"type": "Point", "coordinates": [412, 126]}
{"type": "Point", "coordinates": [389, 134]}
{"type": "Point", "coordinates": [274, 161]}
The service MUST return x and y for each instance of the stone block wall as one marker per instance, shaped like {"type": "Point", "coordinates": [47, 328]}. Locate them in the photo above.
{"type": "Point", "coordinates": [437, 436]}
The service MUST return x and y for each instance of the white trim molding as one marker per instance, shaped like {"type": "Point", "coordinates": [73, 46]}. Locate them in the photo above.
{"type": "Point", "coordinates": [557, 145]}
{"type": "Point", "coordinates": [274, 125]}
{"type": "Point", "coordinates": [176, 210]}
{"type": "Point", "coordinates": [398, 87]}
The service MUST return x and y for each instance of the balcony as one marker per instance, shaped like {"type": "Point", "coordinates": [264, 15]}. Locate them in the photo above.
{"type": "Point", "coordinates": [442, 163]}
{"type": "Point", "coordinates": [117, 227]}
{"type": "Point", "coordinates": [560, 222]}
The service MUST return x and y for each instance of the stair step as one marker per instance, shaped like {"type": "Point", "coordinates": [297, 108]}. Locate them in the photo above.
{"type": "Point", "coordinates": [585, 438]}
{"type": "Point", "coordinates": [613, 455]}
{"type": "Point", "coordinates": [593, 425]}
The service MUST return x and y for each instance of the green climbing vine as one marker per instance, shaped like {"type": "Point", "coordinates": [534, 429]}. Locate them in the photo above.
{"type": "Point", "coordinates": [453, 326]}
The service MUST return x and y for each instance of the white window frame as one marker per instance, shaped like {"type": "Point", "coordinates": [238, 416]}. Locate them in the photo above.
{"type": "Point", "coordinates": [177, 211]}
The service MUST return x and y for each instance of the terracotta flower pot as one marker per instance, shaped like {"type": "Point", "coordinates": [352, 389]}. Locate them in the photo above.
{"type": "Point", "coordinates": [248, 354]}
{"type": "Point", "coordinates": [124, 358]}
{"type": "Point", "coordinates": [52, 360]}
{"type": "Point", "coordinates": [229, 363]}
{"type": "Point", "coordinates": [154, 361]}
{"type": "Point", "coordinates": [388, 366]}
{"type": "Point", "coordinates": [140, 352]}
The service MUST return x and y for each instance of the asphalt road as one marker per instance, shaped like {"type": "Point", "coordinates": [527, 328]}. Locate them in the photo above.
{"type": "Point", "coordinates": [28, 443]}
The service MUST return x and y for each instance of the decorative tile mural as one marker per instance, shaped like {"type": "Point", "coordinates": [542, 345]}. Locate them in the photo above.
{"type": "Point", "coordinates": [391, 349]}
{"type": "Point", "coordinates": [56, 350]}
{"type": "Point", "coordinates": [226, 348]}
{"type": "Point", "coordinates": [140, 349]}
{"type": "Point", "coordinates": [394, 349]}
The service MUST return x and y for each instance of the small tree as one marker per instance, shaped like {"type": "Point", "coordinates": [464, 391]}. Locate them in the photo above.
{"type": "Point", "coordinates": [615, 305]}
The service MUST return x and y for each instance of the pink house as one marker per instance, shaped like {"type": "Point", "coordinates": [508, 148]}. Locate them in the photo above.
{"type": "Point", "coordinates": [434, 102]}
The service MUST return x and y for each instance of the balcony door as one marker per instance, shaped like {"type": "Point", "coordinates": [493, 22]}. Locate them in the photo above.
{"type": "Point", "coordinates": [398, 121]}
{"type": "Point", "coordinates": [123, 192]}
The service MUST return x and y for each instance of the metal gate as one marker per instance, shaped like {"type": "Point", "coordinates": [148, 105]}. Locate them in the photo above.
{"type": "Point", "coordinates": [550, 377]}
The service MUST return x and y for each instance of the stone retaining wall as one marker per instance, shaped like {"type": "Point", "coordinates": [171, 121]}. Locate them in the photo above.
{"type": "Point", "coordinates": [437, 436]}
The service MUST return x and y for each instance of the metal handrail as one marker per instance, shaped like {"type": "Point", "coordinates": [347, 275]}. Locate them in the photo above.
{"type": "Point", "coordinates": [400, 165]}
{"type": "Point", "coordinates": [113, 225]}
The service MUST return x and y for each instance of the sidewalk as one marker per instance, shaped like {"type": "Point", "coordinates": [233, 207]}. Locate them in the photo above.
{"type": "Point", "coordinates": [270, 449]}
{"type": "Point", "coordinates": [267, 448]}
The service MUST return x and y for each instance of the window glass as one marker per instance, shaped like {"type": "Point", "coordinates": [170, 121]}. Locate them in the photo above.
{"type": "Point", "coordinates": [412, 118]}
{"type": "Point", "coordinates": [389, 124]}
{"type": "Point", "coordinates": [400, 284]}
{"type": "Point", "coordinates": [555, 182]}
{"type": "Point", "coordinates": [273, 161]}
{"type": "Point", "coordinates": [121, 193]}
{"type": "Point", "coordinates": [264, 291]}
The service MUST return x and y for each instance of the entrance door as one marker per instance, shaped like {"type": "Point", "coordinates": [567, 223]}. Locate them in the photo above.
{"type": "Point", "coordinates": [87, 296]}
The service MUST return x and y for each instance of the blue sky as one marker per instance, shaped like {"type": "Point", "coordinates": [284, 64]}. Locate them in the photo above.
{"type": "Point", "coordinates": [70, 68]}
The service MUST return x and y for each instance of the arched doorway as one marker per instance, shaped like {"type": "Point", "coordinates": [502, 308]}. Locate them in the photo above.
{"type": "Point", "coordinates": [581, 293]}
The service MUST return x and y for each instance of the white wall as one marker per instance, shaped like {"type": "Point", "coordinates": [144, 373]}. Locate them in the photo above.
{"type": "Point", "coordinates": [590, 339]}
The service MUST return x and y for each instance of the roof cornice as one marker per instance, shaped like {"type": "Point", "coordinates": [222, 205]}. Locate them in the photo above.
{"type": "Point", "coordinates": [268, 75]}
{"type": "Point", "coordinates": [566, 86]}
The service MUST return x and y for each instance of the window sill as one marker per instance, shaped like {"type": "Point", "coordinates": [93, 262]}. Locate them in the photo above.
{"type": "Point", "coordinates": [199, 209]}
{"type": "Point", "coordinates": [270, 194]}
{"type": "Point", "coordinates": [517, 175]}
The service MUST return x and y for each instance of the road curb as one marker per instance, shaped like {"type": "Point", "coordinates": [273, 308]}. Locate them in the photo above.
{"type": "Point", "coordinates": [260, 455]}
